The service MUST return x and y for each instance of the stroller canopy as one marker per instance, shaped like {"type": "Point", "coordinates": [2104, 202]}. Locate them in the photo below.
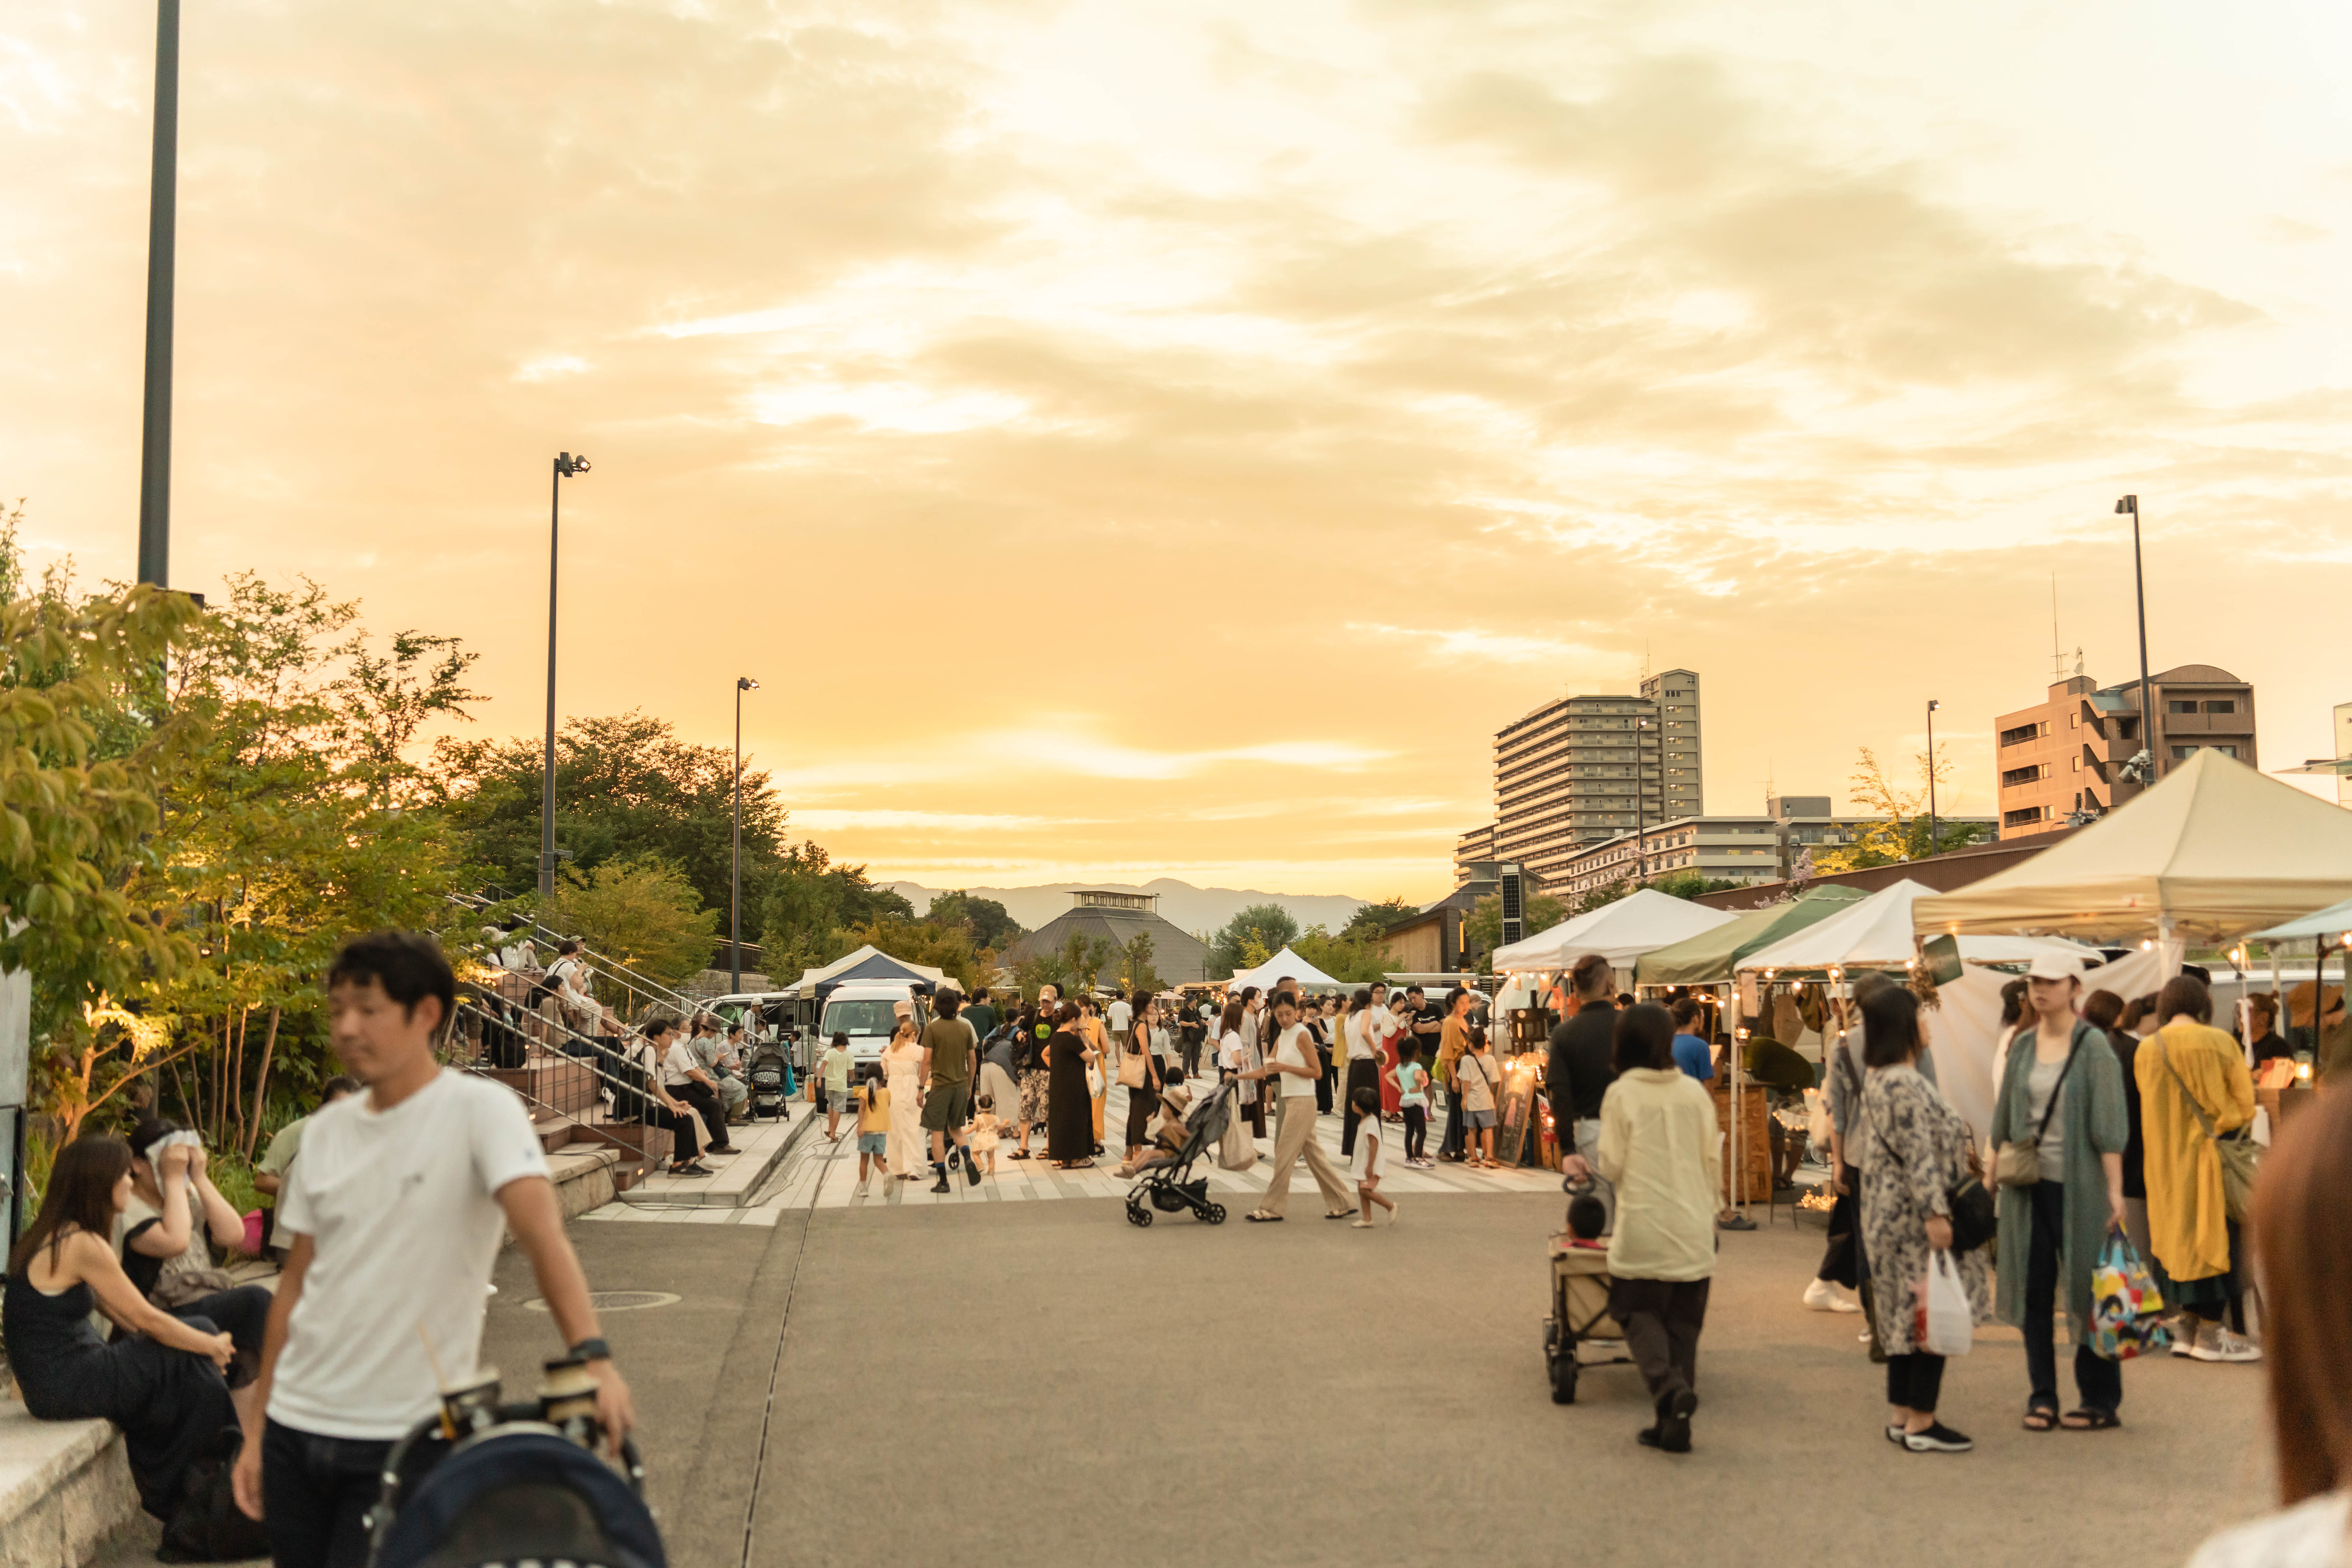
{"type": "Point", "coordinates": [521, 1495]}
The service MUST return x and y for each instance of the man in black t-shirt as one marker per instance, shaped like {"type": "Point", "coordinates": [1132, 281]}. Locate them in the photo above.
{"type": "Point", "coordinates": [1582, 1066]}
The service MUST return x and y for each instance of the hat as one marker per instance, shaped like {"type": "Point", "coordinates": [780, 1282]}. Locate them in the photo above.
{"type": "Point", "coordinates": [2055, 966]}
{"type": "Point", "coordinates": [903, 1009]}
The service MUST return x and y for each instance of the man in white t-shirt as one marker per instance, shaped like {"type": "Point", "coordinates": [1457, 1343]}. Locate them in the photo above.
{"type": "Point", "coordinates": [1120, 1015]}
{"type": "Point", "coordinates": [395, 1210]}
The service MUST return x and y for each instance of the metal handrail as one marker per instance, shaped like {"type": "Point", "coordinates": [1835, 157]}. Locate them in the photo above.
{"type": "Point", "coordinates": [597, 965]}
{"type": "Point", "coordinates": [590, 1063]}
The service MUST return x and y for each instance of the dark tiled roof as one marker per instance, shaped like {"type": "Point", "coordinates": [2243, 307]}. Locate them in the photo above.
{"type": "Point", "coordinates": [1177, 956]}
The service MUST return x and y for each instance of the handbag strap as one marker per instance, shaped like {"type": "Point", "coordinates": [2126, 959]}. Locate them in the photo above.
{"type": "Point", "coordinates": [2164, 1055]}
{"type": "Point", "coordinates": [2073, 1046]}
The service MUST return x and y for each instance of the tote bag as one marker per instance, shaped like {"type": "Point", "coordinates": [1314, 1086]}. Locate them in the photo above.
{"type": "Point", "coordinates": [1946, 1326]}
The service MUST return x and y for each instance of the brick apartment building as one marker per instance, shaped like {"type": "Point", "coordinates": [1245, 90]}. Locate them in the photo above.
{"type": "Point", "coordinates": [2062, 758]}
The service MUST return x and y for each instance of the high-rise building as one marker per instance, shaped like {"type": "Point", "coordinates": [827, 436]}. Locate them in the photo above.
{"type": "Point", "coordinates": [1584, 769]}
{"type": "Point", "coordinates": [2064, 757]}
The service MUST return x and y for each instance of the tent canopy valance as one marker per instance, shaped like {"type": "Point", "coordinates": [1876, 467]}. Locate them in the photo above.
{"type": "Point", "coordinates": [1878, 933]}
{"type": "Point", "coordinates": [1642, 922]}
{"type": "Point", "coordinates": [868, 962]}
{"type": "Point", "coordinates": [2214, 851]}
{"type": "Point", "coordinates": [2333, 920]}
{"type": "Point", "coordinates": [1713, 956]}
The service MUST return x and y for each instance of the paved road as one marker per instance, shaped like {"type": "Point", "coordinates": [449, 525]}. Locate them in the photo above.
{"type": "Point", "coordinates": [1040, 1383]}
{"type": "Point", "coordinates": [1043, 1382]}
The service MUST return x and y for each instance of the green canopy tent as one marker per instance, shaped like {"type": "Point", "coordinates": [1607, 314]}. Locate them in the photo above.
{"type": "Point", "coordinates": [1711, 957]}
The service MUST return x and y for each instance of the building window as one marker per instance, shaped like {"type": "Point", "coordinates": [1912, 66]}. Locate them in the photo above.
{"type": "Point", "coordinates": [2013, 777]}
{"type": "Point", "coordinates": [2127, 729]}
{"type": "Point", "coordinates": [2180, 705]}
{"type": "Point", "coordinates": [2021, 735]}
{"type": "Point", "coordinates": [2073, 720]}
{"type": "Point", "coordinates": [2222, 705]}
{"type": "Point", "coordinates": [2182, 753]}
{"type": "Point", "coordinates": [2018, 818]}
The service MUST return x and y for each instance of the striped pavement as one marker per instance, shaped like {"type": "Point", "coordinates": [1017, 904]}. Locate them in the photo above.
{"type": "Point", "coordinates": [825, 1175]}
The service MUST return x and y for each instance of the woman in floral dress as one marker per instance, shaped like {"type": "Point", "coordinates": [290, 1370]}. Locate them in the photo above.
{"type": "Point", "coordinates": [1913, 1150]}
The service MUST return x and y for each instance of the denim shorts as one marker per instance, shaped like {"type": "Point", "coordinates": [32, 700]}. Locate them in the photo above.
{"type": "Point", "coordinates": [873, 1142]}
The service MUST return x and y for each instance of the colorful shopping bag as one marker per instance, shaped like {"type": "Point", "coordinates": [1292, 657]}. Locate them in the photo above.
{"type": "Point", "coordinates": [2125, 1310]}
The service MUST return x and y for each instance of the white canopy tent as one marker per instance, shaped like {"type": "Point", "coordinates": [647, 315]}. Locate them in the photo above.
{"type": "Point", "coordinates": [1880, 934]}
{"type": "Point", "coordinates": [1642, 922]}
{"type": "Point", "coordinates": [1284, 965]}
{"type": "Point", "coordinates": [2213, 852]}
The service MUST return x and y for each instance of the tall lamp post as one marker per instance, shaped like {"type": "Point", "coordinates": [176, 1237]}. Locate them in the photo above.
{"type": "Point", "coordinates": [735, 877]}
{"type": "Point", "coordinates": [2141, 769]}
{"type": "Point", "coordinates": [566, 466]}
{"type": "Point", "coordinates": [162, 227]}
{"type": "Point", "coordinates": [1932, 706]}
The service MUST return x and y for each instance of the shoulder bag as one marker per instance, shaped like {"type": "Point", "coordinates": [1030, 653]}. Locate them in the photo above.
{"type": "Point", "coordinates": [2018, 1163]}
{"type": "Point", "coordinates": [1130, 1066]}
{"type": "Point", "coordinates": [2238, 1152]}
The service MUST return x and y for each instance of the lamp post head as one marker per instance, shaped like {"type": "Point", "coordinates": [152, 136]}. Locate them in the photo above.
{"type": "Point", "coordinates": [567, 465]}
{"type": "Point", "coordinates": [1933, 705]}
{"type": "Point", "coordinates": [745, 683]}
{"type": "Point", "coordinates": [2128, 505]}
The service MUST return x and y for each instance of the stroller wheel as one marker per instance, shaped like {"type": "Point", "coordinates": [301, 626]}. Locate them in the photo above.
{"type": "Point", "coordinates": [1563, 1377]}
{"type": "Point", "coordinates": [1138, 1217]}
{"type": "Point", "coordinates": [1214, 1213]}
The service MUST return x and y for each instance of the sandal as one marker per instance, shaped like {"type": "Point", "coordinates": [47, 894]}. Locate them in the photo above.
{"type": "Point", "coordinates": [1021, 1153]}
{"type": "Point", "coordinates": [2089, 1420]}
{"type": "Point", "coordinates": [2041, 1417]}
{"type": "Point", "coordinates": [1259, 1216]}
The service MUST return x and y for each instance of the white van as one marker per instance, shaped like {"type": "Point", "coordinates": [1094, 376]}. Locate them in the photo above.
{"type": "Point", "coordinates": [866, 1011]}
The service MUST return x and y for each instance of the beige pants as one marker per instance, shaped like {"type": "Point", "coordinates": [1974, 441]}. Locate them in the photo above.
{"type": "Point", "coordinates": [1294, 1135]}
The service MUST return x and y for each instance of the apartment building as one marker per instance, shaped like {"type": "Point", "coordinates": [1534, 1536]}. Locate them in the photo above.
{"type": "Point", "coordinates": [1724, 849]}
{"type": "Point", "coordinates": [2064, 757]}
{"type": "Point", "coordinates": [1584, 769]}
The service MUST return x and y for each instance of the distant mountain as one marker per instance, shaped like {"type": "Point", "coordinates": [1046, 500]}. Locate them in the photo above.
{"type": "Point", "coordinates": [1188, 907]}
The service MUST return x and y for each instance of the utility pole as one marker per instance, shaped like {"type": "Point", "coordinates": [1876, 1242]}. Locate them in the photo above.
{"type": "Point", "coordinates": [1932, 706]}
{"type": "Point", "coordinates": [735, 875]}
{"type": "Point", "coordinates": [163, 208]}
{"type": "Point", "coordinates": [2142, 766]}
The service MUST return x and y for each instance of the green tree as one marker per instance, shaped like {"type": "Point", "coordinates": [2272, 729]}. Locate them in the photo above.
{"type": "Point", "coordinates": [1263, 930]}
{"type": "Point", "coordinates": [1381, 916]}
{"type": "Point", "coordinates": [1134, 961]}
{"type": "Point", "coordinates": [911, 941]}
{"type": "Point", "coordinates": [990, 923]}
{"type": "Point", "coordinates": [1900, 832]}
{"type": "Point", "coordinates": [625, 787]}
{"type": "Point", "coordinates": [641, 912]}
{"type": "Point", "coordinates": [1041, 969]}
{"type": "Point", "coordinates": [1358, 955]}
{"type": "Point", "coordinates": [809, 898]}
{"type": "Point", "coordinates": [1691, 884]}
{"type": "Point", "coordinates": [1086, 957]}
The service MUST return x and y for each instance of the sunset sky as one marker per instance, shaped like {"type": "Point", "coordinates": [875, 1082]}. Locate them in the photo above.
{"type": "Point", "coordinates": [1130, 439]}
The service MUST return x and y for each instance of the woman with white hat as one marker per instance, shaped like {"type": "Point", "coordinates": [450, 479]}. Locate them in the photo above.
{"type": "Point", "coordinates": [2059, 1128]}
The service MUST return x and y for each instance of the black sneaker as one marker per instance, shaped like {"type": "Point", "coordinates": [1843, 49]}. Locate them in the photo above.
{"type": "Point", "coordinates": [941, 1185]}
{"type": "Point", "coordinates": [1938, 1438]}
{"type": "Point", "coordinates": [970, 1172]}
{"type": "Point", "coordinates": [1673, 1427]}
{"type": "Point", "coordinates": [1647, 1436]}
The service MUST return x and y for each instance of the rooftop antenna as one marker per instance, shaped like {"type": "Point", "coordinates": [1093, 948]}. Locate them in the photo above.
{"type": "Point", "coordinates": [2057, 658]}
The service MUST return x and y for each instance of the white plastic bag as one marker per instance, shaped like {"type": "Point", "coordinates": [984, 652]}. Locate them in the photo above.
{"type": "Point", "coordinates": [1950, 1327]}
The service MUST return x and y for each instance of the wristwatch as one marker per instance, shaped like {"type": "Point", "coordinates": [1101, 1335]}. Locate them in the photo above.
{"type": "Point", "coordinates": [592, 1350]}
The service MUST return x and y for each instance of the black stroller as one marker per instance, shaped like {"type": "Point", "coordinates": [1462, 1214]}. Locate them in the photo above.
{"type": "Point", "coordinates": [770, 1074]}
{"type": "Point", "coordinates": [483, 1483]}
{"type": "Point", "coordinates": [1165, 1182]}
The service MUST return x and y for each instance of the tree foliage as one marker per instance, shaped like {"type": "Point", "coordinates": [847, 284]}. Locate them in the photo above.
{"type": "Point", "coordinates": [1134, 964]}
{"type": "Point", "coordinates": [809, 898]}
{"type": "Point", "coordinates": [1253, 935]}
{"type": "Point", "coordinates": [1482, 933]}
{"type": "Point", "coordinates": [1379, 917]}
{"type": "Point", "coordinates": [989, 924]}
{"type": "Point", "coordinates": [1901, 831]}
{"type": "Point", "coordinates": [1356, 955]}
{"type": "Point", "coordinates": [912, 941]}
{"type": "Point", "coordinates": [640, 911]}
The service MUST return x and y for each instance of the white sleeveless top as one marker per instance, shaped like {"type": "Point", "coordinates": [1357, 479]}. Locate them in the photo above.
{"type": "Point", "coordinates": [1297, 1049]}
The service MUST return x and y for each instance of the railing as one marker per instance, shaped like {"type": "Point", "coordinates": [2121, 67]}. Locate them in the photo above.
{"type": "Point", "coordinates": [644, 993]}
{"type": "Point", "coordinates": [556, 1081]}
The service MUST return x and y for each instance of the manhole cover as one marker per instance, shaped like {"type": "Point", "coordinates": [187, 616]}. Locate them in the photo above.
{"type": "Point", "coordinates": [618, 1300]}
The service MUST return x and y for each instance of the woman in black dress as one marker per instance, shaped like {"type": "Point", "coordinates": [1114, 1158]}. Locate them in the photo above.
{"type": "Point", "coordinates": [1144, 1100]}
{"type": "Point", "coordinates": [163, 1384]}
{"type": "Point", "coordinates": [1070, 1108]}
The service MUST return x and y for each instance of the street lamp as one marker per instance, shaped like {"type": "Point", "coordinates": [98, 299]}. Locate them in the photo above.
{"type": "Point", "coordinates": [163, 208]}
{"type": "Point", "coordinates": [1932, 706]}
{"type": "Point", "coordinates": [735, 878]}
{"type": "Point", "coordinates": [2141, 769]}
{"type": "Point", "coordinates": [566, 465]}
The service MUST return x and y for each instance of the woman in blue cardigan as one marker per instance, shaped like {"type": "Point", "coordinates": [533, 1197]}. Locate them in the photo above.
{"type": "Point", "coordinates": [2063, 1092]}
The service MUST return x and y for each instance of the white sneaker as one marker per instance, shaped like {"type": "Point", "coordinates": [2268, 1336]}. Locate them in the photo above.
{"type": "Point", "coordinates": [2215, 1342]}
{"type": "Point", "coordinates": [1822, 1296]}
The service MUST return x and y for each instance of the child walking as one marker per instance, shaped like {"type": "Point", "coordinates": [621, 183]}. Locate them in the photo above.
{"type": "Point", "coordinates": [985, 1131]}
{"type": "Point", "coordinates": [835, 1068]}
{"type": "Point", "coordinates": [1366, 1162]}
{"type": "Point", "coordinates": [873, 1122]}
{"type": "Point", "coordinates": [1411, 1080]}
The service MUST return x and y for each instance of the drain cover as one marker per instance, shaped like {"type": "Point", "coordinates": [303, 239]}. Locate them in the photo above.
{"type": "Point", "coordinates": [618, 1300]}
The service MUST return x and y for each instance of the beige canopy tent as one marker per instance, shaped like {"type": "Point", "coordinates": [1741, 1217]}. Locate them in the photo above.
{"type": "Point", "coordinates": [2213, 852]}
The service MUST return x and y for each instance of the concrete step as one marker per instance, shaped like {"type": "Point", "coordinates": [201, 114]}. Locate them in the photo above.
{"type": "Point", "coordinates": [65, 1486]}
{"type": "Point", "coordinates": [761, 1145]}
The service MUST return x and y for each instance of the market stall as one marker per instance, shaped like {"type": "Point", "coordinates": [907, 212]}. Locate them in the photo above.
{"type": "Point", "coordinates": [1284, 965]}
{"type": "Point", "coordinates": [1642, 922]}
{"type": "Point", "coordinates": [1712, 957]}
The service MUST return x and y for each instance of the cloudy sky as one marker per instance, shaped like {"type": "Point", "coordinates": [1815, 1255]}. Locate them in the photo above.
{"type": "Point", "coordinates": [1132, 440]}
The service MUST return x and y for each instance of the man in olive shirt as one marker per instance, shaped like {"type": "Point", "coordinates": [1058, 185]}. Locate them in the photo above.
{"type": "Point", "coordinates": [949, 1050]}
{"type": "Point", "coordinates": [981, 1017]}
{"type": "Point", "coordinates": [1582, 1067]}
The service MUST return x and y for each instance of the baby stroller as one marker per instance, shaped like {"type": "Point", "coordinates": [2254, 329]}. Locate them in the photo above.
{"type": "Point", "coordinates": [1165, 1182]}
{"type": "Point", "coordinates": [770, 1076]}
{"type": "Point", "coordinates": [484, 1483]}
{"type": "Point", "coordinates": [1579, 1332]}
